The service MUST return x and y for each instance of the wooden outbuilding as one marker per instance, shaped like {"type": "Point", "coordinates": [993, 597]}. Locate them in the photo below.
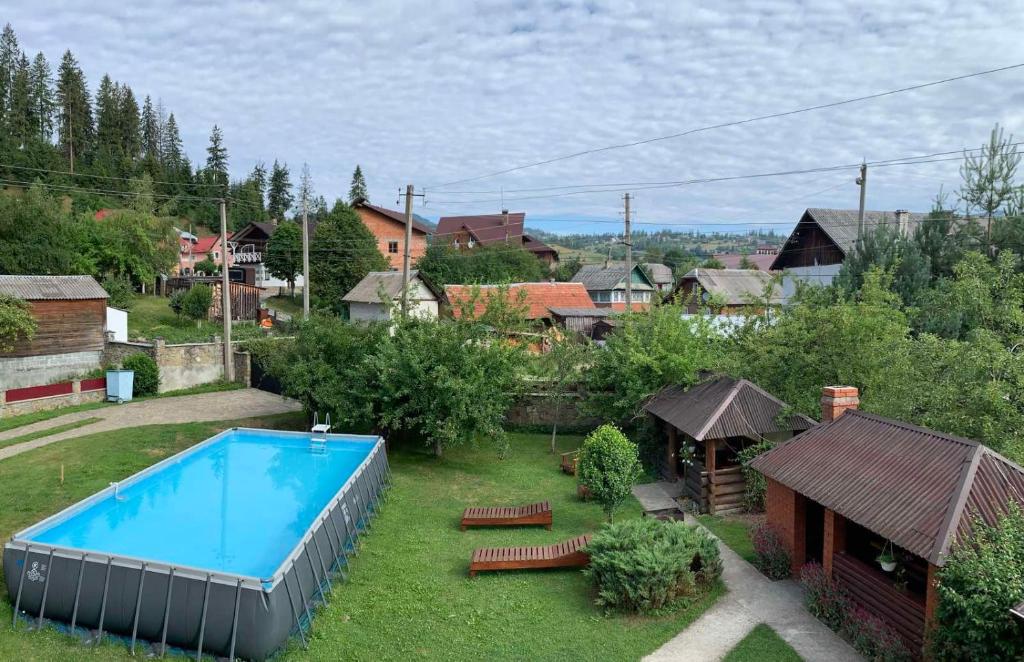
{"type": "Point", "coordinates": [706, 426]}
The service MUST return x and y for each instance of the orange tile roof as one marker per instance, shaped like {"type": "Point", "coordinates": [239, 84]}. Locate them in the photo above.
{"type": "Point", "coordinates": [539, 297]}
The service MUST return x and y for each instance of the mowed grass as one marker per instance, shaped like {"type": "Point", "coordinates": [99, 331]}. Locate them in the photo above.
{"type": "Point", "coordinates": [733, 531]}
{"type": "Point", "coordinates": [11, 422]}
{"type": "Point", "coordinates": [408, 595]}
{"type": "Point", "coordinates": [48, 431]}
{"type": "Point", "coordinates": [151, 317]}
{"type": "Point", "coordinates": [30, 489]}
{"type": "Point", "coordinates": [763, 644]}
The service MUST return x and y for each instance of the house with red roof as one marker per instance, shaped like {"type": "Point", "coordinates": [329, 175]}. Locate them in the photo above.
{"type": "Point", "coordinates": [491, 229]}
{"type": "Point", "coordinates": [537, 298]}
{"type": "Point", "coordinates": [192, 250]}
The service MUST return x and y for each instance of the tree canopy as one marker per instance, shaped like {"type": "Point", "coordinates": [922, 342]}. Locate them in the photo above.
{"type": "Point", "coordinates": [342, 252]}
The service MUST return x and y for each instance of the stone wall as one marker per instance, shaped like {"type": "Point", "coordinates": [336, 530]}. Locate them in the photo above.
{"type": "Point", "coordinates": [539, 410]}
{"type": "Point", "coordinates": [183, 366]}
{"type": "Point", "coordinates": [22, 371]}
{"type": "Point", "coordinates": [76, 397]}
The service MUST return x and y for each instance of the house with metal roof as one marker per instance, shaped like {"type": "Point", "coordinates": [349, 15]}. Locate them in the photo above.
{"type": "Point", "coordinates": [737, 291]}
{"type": "Point", "coordinates": [490, 229]}
{"type": "Point", "coordinates": [70, 314]}
{"type": "Point", "coordinates": [606, 285]}
{"type": "Point", "coordinates": [380, 292]}
{"type": "Point", "coordinates": [880, 503]}
{"type": "Point", "coordinates": [388, 228]}
{"type": "Point", "coordinates": [706, 426]}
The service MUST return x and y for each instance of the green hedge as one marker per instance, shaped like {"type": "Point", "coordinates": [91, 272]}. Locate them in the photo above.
{"type": "Point", "coordinates": [147, 374]}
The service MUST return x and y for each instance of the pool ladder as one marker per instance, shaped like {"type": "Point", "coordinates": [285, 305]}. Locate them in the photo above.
{"type": "Point", "coordinates": [318, 440]}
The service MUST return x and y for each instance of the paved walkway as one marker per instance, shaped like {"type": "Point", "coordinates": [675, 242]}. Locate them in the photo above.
{"type": "Point", "coordinates": [219, 406]}
{"type": "Point", "coordinates": [752, 599]}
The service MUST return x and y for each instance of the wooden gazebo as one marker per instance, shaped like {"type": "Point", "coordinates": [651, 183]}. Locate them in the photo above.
{"type": "Point", "coordinates": [706, 426]}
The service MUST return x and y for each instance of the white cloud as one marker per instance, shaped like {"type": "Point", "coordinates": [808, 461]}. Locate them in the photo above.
{"type": "Point", "coordinates": [426, 92]}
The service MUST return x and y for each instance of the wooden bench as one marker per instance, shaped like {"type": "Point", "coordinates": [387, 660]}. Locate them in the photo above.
{"type": "Point", "coordinates": [566, 554]}
{"type": "Point", "coordinates": [538, 514]}
{"type": "Point", "coordinates": [569, 461]}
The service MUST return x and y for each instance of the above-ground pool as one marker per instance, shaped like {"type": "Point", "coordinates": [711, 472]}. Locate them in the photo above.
{"type": "Point", "coordinates": [221, 548]}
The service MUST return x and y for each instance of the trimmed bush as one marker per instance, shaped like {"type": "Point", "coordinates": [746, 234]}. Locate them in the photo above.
{"type": "Point", "coordinates": [147, 374]}
{"type": "Point", "coordinates": [770, 554]}
{"type": "Point", "coordinates": [195, 304]}
{"type": "Point", "coordinates": [824, 598]}
{"type": "Point", "coordinates": [645, 564]}
{"type": "Point", "coordinates": [608, 466]}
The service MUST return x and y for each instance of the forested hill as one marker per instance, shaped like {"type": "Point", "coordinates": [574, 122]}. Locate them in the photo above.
{"type": "Point", "coordinates": [661, 242]}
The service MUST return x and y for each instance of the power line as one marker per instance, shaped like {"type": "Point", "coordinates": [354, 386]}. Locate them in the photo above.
{"type": "Point", "coordinates": [722, 125]}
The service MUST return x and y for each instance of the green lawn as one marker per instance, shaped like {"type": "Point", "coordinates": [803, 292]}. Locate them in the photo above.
{"type": "Point", "coordinates": [762, 645]}
{"type": "Point", "coordinates": [11, 422]}
{"type": "Point", "coordinates": [286, 304]}
{"type": "Point", "coordinates": [734, 532]}
{"type": "Point", "coordinates": [151, 317]}
{"type": "Point", "coordinates": [48, 431]}
{"type": "Point", "coordinates": [408, 594]}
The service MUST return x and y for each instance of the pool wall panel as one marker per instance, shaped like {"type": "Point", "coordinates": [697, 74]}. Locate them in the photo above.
{"type": "Point", "coordinates": [267, 614]}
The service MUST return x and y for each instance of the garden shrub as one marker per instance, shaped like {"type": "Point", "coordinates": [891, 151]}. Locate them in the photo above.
{"type": "Point", "coordinates": [873, 639]}
{"type": "Point", "coordinates": [147, 374]}
{"type": "Point", "coordinates": [175, 301]}
{"type": "Point", "coordinates": [824, 598]}
{"type": "Point", "coordinates": [770, 554]}
{"type": "Point", "coordinates": [608, 466]}
{"type": "Point", "coordinates": [195, 304]}
{"type": "Point", "coordinates": [16, 322]}
{"type": "Point", "coordinates": [646, 564]}
{"type": "Point", "coordinates": [756, 487]}
{"type": "Point", "coordinates": [982, 579]}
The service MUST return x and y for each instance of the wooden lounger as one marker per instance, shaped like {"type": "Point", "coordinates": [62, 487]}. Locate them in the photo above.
{"type": "Point", "coordinates": [538, 514]}
{"type": "Point", "coordinates": [569, 462]}
{"type": "Point", "coordinates": [566, 554]}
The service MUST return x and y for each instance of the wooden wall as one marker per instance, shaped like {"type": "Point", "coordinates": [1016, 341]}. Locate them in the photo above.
{"type": "Point", "coordinates": [64, 327]}
{"type": "Point", "coordinates": [812, 248]}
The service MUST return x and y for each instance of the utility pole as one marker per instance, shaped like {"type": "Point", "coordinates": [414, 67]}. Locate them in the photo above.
{"type": "Point", "coordinates": [305, 256]}
{"type": "Point", "coordinates": [862, 182]}
{"type": "Point", "coordinates": [406, 253]}
{"type": "Point", "coordinates": [225, 293]}
{"type": "Point", "coordinates": [629, 259]}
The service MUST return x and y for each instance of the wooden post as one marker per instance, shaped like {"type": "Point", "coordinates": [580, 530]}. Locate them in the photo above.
{"type": "Point", "coordinates": [709, 464]}
{"type": "Point", "coordinates": [835, 539]}
{"type": "Point", "coordinates": [673, 451]}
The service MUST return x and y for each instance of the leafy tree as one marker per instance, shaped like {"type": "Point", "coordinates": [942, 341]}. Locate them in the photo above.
{"type": "Point", "coordinates": [357, 190]}
{"type": "Point", "coordinates": [207, 266]}
{"type": "Point", "coordinates": [37, 237]}
{"type": "Point", "coordinates": [713, 263]}
{"type": "Point", "coordinates": [16, 322]}
{"type": "Point", "coordinates": [566, 365]}
{"type": "Point", "coordinates": [648, 352]}
{"type": "Point", "coordinates": [345, 251]}
{"type": "Point", "coordinates": [284, 253]}
{"type": "Point", "coordinates": [983, 578]}
{"type": "Point", "coordinates": [120, 291]}
{"type": "Point", "coordinates": [942, 238]}
{"type": "Point", "coordinates": [279, 198]}
{"type": "Point", "coordinates": [567, 268]}
{"type": "Point", "coordinates": [490, 264]}
{"type": "Point", "coordinates": [609, 464]}
{"type": "Point", "coordinates": [885, 248]}
{"type": "Point", "coordinates": [134, 245]}
{"type": "Point", "coordinates": [217, 158]}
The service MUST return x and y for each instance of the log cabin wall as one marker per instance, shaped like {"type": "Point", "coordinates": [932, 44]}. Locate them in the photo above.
{"type": "Point", "coordinates": [64, 327]}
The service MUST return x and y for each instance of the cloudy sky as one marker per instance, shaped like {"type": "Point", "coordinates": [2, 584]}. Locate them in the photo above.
{"type": "Point", "coordinates": [441, 90]}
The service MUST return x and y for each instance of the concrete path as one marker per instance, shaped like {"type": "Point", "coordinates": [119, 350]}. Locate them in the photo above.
{"type": "Point", "coordinates": [654, 497]}
{"type": "Point", "coordinates": [752, 599]}
{"type": "Point", "coordinates": [219, 406]}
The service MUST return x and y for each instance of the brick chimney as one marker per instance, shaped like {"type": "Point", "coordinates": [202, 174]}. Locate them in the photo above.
{"type": "Point", "coordinates": [837, 399]}
{"type": "Point", "coordinates": [903, 222]}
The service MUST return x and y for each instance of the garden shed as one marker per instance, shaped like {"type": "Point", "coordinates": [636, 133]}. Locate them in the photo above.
{"type": "Point", "coordinates": [879, 503]}
{"type": "Point", "coordinates": [705, 427]}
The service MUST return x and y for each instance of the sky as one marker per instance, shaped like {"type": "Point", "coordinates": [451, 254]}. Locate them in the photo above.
{"type": "Point", "coordinates": [431, 92]}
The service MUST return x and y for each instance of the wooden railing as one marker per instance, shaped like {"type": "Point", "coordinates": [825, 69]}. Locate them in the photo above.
{"type": "Point", "coordinates": [903, 612]}
{"type": "Point", "coordinates": [695, 484]}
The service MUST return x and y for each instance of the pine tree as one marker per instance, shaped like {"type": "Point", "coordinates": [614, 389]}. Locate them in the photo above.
{"type": "Point", "coordinates": [259, 180]}
{"type": "Point", "coordinates": [279, 198]}
{"type": "Point", "coordinates": [129, 124]}
{"type": "Point", "coordinates": [10, 54]}
{"type": "Point", "coordinates": [171, 149]}
{"type": "Point", "coordinates": [217, 159]}
{"type": "Point", "coordinates": [150, 131]}
{"type": "Point", "coordinates": [306, 192]}
{"type": "Point", "coordinates": [41, 87]}
{"type": "Point", "coordinates": [346, 251]}
{"type": "Point", "coordinates": [357, 190]}
{"type": "Point", "coordinates": [20, 122]}
{"type": "Point", "coordinates": [75, 128]}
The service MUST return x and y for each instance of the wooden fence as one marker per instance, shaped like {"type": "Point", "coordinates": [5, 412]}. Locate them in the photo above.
{"type": "Point", "coordinates": [245, 299]}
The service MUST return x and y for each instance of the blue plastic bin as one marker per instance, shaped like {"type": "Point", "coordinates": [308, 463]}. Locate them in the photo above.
{"type": "Point", "coordinates": [119, 385]}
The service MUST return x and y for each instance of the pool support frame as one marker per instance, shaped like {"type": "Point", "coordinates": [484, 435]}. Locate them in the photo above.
{"type": "Point", "coordinates": [237, 615]}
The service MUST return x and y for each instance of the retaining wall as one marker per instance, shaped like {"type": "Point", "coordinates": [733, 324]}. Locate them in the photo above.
{"type": "Point", "coordinates": [22, 371]}
{"type": "Point", "coordinates": [185, 365]}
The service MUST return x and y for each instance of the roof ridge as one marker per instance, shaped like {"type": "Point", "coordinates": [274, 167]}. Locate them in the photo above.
{"type": "Point", "coordinates": [713, 418]}
{"type": "Point", "coordinates": [914, 428]}
{"type": "Point", "coordinates": [954, 513]}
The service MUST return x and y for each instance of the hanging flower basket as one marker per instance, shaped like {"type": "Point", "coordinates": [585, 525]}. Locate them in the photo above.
{"type": "Point", "coordinates": [886, 559]}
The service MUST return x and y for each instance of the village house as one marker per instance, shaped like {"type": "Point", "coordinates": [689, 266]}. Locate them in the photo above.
{"type": "Point", "coordinates": [380, 292]}
{"type": "Point", "coordinates": [661, 276]}
{"type": "Point", "coordinates": [70, 314]}
{"type": "Point", "coordinates": [491, 229]}
{"type": "Point", "coordinates": [193, 250]}
{"type": "Point", "coordinates": [388, 228]}
{"type": "Point", "coordinates": [737, 291]}
{"type": "Point", "coordinates": [761, 259]}
{"type": "Point", "coordinates": [705, 427]}
{"type": "Point", "coordinates": [536, 299]}
{"type": "Point", "coordinates": [879, 503]}
{"type": "Point", "coordinates": [606, 285]}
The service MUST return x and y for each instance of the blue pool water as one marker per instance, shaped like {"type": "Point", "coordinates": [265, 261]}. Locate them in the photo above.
{"type": "Point", "coordinates": [238, 505]}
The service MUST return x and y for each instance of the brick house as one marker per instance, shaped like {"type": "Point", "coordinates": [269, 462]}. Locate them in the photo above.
{"type": "Point", "coordinates": [858, 485]}
{"type": "Point", "coordinates": [388, 227]}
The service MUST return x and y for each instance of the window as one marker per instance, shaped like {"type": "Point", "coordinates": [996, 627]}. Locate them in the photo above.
{"type": "Point", "coordinates": [392, 246]}
{"type": "Point", "coordinates": [216, 255]}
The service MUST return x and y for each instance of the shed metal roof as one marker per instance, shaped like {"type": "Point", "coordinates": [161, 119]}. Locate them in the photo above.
{"type": "Point", "coordinates": [368, 290]}
{"type": "Point", "coordinates": [919, 488]}
{"type": "Point", "coordinates": [598, 277]}
{"type": "Point", "coordinates": [734, 287]}
{"type": "Point", "coordinates": [537, 297]}
{"type": "Point", "coordinates": [723, 407]}
{"type": "Point", "coordinates": [52, 288]}
{"type": "Point", "coordinates": [397, 216]}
